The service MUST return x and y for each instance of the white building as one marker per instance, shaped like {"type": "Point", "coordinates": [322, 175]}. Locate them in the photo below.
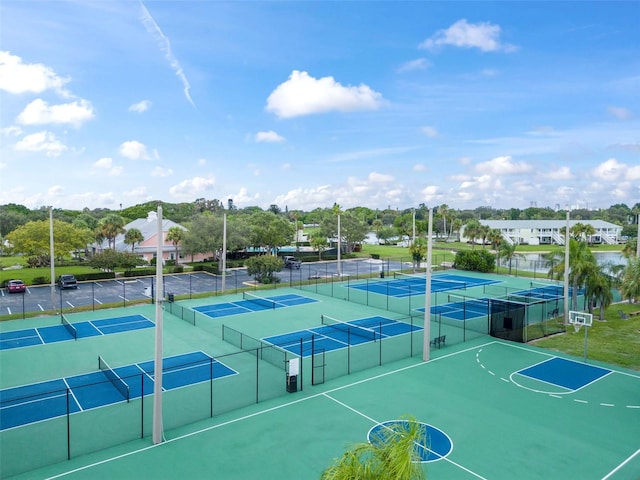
{"type": "Point", "coordinates": [547, 232]}
{"type": "Point", "coordinates": [147, 249]}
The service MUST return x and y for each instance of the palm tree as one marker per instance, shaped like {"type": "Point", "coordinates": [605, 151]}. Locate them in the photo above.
{"type": "Point", "coordinates": [508, 252]}
{"type": "Point", "coordinates": [110, 227]}
{"type": "Point", "coordinates": [443, 210]}
{"type": "Point", "coordinates": [472, 231]}
{"type": "Point", "coordinates": [582, 264]}
{"type": "Point", "coordinates": [598, 291]}
{"type": "Point", "coordinates": [484, 233]}
{"type": "Point", "coordinates": [630, 286]}
{"type": "Point", "coordinates": [175, 236]}
{"type": "Point", "coordinates": [133, 236]}
{"type": "Point", "coordinates": [392, 456]}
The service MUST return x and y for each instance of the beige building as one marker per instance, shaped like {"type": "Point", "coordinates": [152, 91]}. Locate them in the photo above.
{"type": "Point", "coordinates": [548, 232]}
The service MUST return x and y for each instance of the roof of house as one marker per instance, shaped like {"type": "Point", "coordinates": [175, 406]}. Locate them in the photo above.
{"type": "Point", "coordinates": [149, 228]}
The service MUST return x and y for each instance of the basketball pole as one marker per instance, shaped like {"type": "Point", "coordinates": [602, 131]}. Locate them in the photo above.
{"type": "Point", "coordinates": [426, 341]}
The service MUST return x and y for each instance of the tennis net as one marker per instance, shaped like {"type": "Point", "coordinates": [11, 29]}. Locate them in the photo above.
{"type": "Point", "coordinates": [265, 302]}
{"type": "Point", "coordinates": [470, 303]}
{"type": "Point", "coordinates": [114, 378]}
{"type": "Point", "coordinates": [70, 328]}
{"type": "Point", "coordinates": [553, 288]}
{"type": "Point", "coordinates": [439, 283]}
{"type": "Point", "coordinates": [349, 328]}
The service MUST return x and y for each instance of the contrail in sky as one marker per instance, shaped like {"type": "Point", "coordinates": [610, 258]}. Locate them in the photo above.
{"type": "Point", "coordinates": [165, 46]}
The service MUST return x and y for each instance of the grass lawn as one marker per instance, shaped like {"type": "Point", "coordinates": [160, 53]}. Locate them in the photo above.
{"type": "Point", "coordinates": [613, 341]}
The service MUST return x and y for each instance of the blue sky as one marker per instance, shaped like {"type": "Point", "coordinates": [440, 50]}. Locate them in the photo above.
{"type": "Point", "coordinates": [304, 104]}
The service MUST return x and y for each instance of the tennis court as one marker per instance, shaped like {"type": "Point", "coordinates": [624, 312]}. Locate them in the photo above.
{"type": "Point", "coordinates": [72, 331]}
{"type": "Point", "coordinates": [403, 285]}
{"type": "Point", "coordinates": [55, 398]}
{"type": "Point", "coordinates": [336, 334]}
{"type": "Point", "coordinates": [493, 409]}
{"type": "Point", "coordinates": [252, 303]}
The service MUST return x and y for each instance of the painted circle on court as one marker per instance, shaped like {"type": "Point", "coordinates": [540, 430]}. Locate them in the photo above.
{"type": "Point", "coordinates": [433, 445]}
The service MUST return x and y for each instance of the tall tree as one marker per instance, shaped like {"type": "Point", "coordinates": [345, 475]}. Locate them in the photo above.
{"type": "Point", "coordinates": [472, 232]}
{"type": "Point", "coordinates": [110, 227]}
{"type": "Point", "coordinates": [175, 236]}
{"type": "Point", "coordinates": [133, 236]}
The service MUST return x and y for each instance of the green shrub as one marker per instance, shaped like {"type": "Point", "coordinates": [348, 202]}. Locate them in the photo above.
{"type": "Point", "coordinates": [40, 280]}
{"type": "Point", "coordinates": [475, 260]}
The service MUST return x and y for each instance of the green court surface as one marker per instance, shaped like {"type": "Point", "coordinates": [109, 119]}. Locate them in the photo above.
{"type": "Point", "coordinates": [502, 424]}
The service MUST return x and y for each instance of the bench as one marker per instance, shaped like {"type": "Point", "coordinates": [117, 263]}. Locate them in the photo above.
{"type": "Point", "coordinates": [633, 314]}
{"type": "Point", "coordinates": [438, 341]}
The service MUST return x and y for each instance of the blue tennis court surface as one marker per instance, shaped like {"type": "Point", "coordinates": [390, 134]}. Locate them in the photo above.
{"type": "Point", "coordinates": [407, 285]}
{"type": "Point", "coordinates": [40, 401]}
{"type": "Point", "coordinates": [61, 333]}
{"type": "Point", "coordinates": [565, 373]}
{"type": "Point", "coordinates": [253, 303]}
{"type": "Point", "coordinates": [333, 337]}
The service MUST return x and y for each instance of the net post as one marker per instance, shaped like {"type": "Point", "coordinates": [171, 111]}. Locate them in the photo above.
{"type": "Point", "coordinates": [68, 428]}
{"type": "Point", "coordinates": [142, 405]}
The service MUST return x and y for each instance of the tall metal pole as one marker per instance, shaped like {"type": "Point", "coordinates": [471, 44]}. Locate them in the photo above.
{"type": "Point", "coordinates": [157, 386]}
{"type": "Point", "coordinates": [638, 239]}
{"type": "Point", "coordinates": [224, 252]}
{"type": "Point", "coordinates": [53, 268]}
{"type": "Point", "coordinates": [339, 248]}
{"type": "Point", "coordinates": [566, 270]}
{"type": "Point", "coordinates": [426, 341]}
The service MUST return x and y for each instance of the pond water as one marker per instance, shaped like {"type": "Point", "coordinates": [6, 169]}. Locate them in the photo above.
{"type": "Point", "coordinates": [535, 262]}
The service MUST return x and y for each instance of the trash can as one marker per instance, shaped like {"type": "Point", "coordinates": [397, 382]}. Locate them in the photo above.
{"type": "Point", "coordinates": [171, 297]}
{"type": "Point", "coordinates": [292, 383]}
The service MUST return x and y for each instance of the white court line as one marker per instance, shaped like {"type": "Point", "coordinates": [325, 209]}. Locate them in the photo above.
{"type": "Point", "coordinates": [261, 412]}
{"type": "Point", "coordinates": [608, 475]}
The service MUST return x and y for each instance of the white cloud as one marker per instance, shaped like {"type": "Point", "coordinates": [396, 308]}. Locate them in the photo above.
{"type": "Point", "coordinates": [192, 188]}
{"type": "Point", "coordinates": [431, 193]}
{"type": "Point", "coordinates": [484, 36]}
{"type": "Point", "coordinates": [140, 107]}
{"type": "Point", "coordinates": [375, 177]}
{"type": "Point", "coordinates": [105, 162]}
{"type": "Point", "coordinates": [503, 166]}
{"type": "Point", "coordinates": [161, 172]}
{"type": "Point", "coordinates": [612, 170]}
{"type": "Point", "coordinates": [286, 167]}
{"type": "Point", "coordinates": [417, 64]}
{"type": "Point", "coordinates": [561, 173]}
{"type": "Point", "coordinates": [430, 132]}
{"type": "Point", "coordinates": [165, 46]}
{"type": "Point", "coordinates": [134, 150]}
{"type": "Point", "coordinates": [17, 77]}
{"type": "Point", "coordinates": [620, 113]}
{"type": "Point", "coordinates": [40, 112]}
{"type": "Point", "coordinates": [418, 167]}
{"type": "Point", "coordinates": [41, 142]}
{"type": "Point", "coordinates": [302, 94]}
{"type": "Point", "coordinates": [202, 162]}
{"type": "Point", "coordinates": [12, 131]}
{"type": "Point", "coordinates": [269, 137]}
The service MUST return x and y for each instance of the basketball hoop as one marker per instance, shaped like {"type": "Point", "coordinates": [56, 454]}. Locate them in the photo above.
{"type": "Point", "coordinates": [579, 320]}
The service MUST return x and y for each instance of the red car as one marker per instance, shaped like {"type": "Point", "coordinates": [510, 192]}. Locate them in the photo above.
{"type": "Point", "coordinates": [16, 286]}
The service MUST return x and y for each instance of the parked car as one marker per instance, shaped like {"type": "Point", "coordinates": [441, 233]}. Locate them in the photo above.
{"type": "Point", "coordinates": [291, 261]}
{"type": "Point", "coordinates": [67, 281]}
{"type": "Point", "coordinates": [16, 286]}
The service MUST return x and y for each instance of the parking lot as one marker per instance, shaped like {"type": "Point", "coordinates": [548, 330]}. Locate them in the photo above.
{"type": "Point", "coordinates": [125, 290]}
